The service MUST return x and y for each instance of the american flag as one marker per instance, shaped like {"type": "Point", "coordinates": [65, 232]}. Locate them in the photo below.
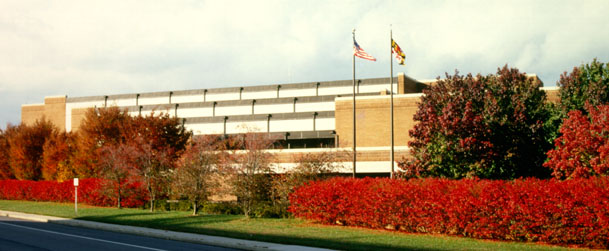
{"type": "Point", "coordinates": [360, 53]}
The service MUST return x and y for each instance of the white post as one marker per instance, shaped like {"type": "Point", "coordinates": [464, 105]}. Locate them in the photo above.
{"type": "Point", "coordinates": [76, 196]}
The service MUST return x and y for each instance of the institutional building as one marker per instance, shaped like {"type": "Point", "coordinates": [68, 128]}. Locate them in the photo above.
{"type": "Point", "coordinates": [308, 117]}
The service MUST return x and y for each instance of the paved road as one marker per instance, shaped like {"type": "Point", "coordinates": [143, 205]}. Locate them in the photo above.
{"type": "Point", "coordinates": [18, 234]}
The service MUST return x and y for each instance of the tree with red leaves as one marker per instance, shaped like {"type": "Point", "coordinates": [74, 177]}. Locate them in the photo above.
{"type": "Point", "coordinates": [159, 140]}
{"type": "Point", "coordinates": [582, 150]}
{"type": "Point", "coordinates": [152, 167]}
{"type": "Point", "coordinates": [484, 126]}
{"type": "Point", "coordinates": [117, 168]}
{"type": "Point", "coordinates": [161, 131]}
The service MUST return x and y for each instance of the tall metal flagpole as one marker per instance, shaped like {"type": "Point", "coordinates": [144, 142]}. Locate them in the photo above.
{"type": "Point", "coordinates": [354, 150]}
{"type": "Point", "coordinates": [391, 73]}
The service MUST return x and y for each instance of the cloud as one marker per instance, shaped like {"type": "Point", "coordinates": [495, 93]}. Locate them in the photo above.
{"type": "Point", "coordinates": [82, 48]}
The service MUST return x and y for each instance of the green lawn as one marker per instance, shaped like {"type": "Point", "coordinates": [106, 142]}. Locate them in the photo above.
{"type": "Point", "coordinates": [287, 231]}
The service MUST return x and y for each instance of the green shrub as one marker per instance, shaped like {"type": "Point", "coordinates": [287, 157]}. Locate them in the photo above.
{"type": "Point", "coordinates": [221, 208]}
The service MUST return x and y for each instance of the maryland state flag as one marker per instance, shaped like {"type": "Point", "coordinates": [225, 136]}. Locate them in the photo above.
{"type": "Point", "coordinates": [399, 54]}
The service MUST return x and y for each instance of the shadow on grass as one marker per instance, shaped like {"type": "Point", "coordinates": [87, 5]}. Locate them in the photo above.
{"type": "Point", "coordinates": [169, 220]}
{"type": "Point", "coordinates": [200, 225]}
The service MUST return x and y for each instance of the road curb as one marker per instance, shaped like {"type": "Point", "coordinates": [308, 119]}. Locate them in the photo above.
{"type": "Point", "coordinates": [162, 234]}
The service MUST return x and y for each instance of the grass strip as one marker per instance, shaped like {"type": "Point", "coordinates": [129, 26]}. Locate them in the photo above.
{"type": "Point", "coordinates": [286, 231]}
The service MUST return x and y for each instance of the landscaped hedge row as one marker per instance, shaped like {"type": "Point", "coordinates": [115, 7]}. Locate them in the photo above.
{"type": "Point", "coordinates": [558, 212]}
{"type": "Point", "coordinates": [89, 192]}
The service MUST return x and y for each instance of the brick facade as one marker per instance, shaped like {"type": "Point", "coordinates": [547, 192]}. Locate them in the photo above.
{"type": "Point", "coordinates": [53, 109]}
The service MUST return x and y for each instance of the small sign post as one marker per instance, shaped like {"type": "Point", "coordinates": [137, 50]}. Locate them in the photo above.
{"type": "Point", "coordinates": [76, 196]}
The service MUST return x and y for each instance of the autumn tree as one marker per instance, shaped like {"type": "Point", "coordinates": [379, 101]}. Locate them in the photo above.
{"type": "Point", "coordinates": [160, 140]}
{"type": "Point", "coordinates": [251, 169]}
{"type": "Point", "coordinates": [588, 83]}
{"type": "Point", "coordinates": [161, 131]}
{"type": "Point", "coordinates": [117, 167]}
{"type": "Point", "coordinates": [100, 126]}
{"type": "Point", "coordinates": [196, 175]}
{"type": "Point", "coordinates": [481, 126]}
{"type": "Point", "coordinates": [6, 172]}
{"type": "Point", "coordinates": [153, 167]}
{"type": "Point", "coordinates": [58, 152]}
{"type": "Point", "coordinates": [582, 150]}
{"type": "Point", "coordinates": [26, 149]}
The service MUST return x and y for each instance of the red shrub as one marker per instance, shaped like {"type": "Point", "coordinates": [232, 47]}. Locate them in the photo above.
{"type": "Point", "coordinates": [567, 212]}
{"type": "Point", "coordinates": [89, 192]}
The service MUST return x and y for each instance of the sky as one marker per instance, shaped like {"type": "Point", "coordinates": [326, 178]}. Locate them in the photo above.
{"type": "Point", "coordinates": [88, 48]}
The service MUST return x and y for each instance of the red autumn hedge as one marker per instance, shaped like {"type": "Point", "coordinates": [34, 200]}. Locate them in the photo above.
{"type": "Point", "coordinates": [559, 212]}
{"type": "Point", "coordinates": [89, 192]}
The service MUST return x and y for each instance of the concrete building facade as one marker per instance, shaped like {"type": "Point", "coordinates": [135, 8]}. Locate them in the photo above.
{"type": "Point", "coordinates": [309, 117]}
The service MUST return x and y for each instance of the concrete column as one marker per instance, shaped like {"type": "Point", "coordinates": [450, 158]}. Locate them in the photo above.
{"type": "Point", "coordinates": [225, 119]}
{"type": "Point", "coordinates": [401, 83]}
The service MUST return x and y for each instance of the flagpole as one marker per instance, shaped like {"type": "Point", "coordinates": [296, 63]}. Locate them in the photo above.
{"type": "Point", "coordinates": [354, 131]}
{"type": "Point", "coordinates": [391, 73]}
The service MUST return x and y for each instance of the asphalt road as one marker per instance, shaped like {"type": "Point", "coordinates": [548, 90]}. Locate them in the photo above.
{"type": "Point", "coordinates": [18, 234]}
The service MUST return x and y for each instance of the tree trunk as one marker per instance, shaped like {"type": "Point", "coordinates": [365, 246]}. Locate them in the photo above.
{"type": "Point", "coordinates": [151, 201]}
{"type": "Point", "coordinates": [119, 200]}
{"type": "Point", "coordinates": [151, 196]}
{"type": "Point", "coordinates": [194, 207]}
{"type": "Point", "coordinates": [246, 209]}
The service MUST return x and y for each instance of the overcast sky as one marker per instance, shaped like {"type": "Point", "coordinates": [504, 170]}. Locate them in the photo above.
{"type": "Point", "coordinates": [85, 48]}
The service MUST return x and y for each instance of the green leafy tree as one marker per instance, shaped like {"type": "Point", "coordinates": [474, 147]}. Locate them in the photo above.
{"type": "Point", "coordinates": [484, 126]}
{"type": "Point", "coordinates": [588, 83]}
